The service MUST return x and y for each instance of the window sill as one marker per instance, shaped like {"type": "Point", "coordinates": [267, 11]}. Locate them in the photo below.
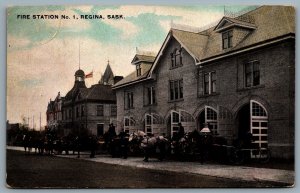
{"type": "Point", "coordinates": [150, 105]}
{"type": "Point", "coordinates": [250, 88]}
{"type": "Point", "coordinates": [129, 108]}
{"type": "Point", "coordinates": [208, 95]}
{"type": "Point", "coordinates": [171, 68]}
{"type": "Point", "coordinates": [177, 100]}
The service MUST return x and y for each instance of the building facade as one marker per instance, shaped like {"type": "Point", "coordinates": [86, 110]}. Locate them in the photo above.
{"type": "Point", "coordinates": [86, 111]}
{"type": "Point", "coordinates": [236, 77]}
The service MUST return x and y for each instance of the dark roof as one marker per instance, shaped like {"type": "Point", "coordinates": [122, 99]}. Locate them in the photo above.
{"type": "Point", "coordinates": [131, 78]}
{"type": "Point", "coordinates": [191, 41]}
{"type": "Point", "coordinates": [269, 22]}
{"type": "Point", "coordinates": [79, 73]}
{"type": "Point", "coordinates": [73, 92]}
{"type": "Point", "coordinates": [143, 58]}
{"type": "Point", "coordinates": [101, 92]}
{"type": "Point", "coordinates": [108, 75]}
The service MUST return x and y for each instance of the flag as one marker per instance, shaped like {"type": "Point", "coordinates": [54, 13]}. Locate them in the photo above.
{"type": "Point", "coordinates": [89, 75]}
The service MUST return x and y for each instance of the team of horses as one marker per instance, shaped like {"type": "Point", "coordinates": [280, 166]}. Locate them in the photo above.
{"type": "Point", "coordinates": [189, 146]}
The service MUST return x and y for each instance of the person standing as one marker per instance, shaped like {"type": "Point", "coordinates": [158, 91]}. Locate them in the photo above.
{"type": "Point", "coordinates": [180, 133]}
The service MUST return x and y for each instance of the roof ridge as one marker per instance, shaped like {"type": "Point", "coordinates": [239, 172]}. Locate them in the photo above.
{"type": "Point", "coordinates": [250, 11]}
{"type": "Point", "coordinates": [184, 30]}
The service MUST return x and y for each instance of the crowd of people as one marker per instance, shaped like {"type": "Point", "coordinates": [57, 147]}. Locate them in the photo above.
{"type": "Point", "coordinates": [181, 145]}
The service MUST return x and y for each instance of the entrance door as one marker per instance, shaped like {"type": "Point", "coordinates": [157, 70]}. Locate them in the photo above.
{"type": "Point", "coordinates": [100, 129]}
{"type": "Point", "coordinates": [209, 116]}
{"type": "Point", "coordinates": [183, 117]}
{"type": "Point", "coordinates": [259, 125]}
{"type": "Point", "coordinates": [174, 122]}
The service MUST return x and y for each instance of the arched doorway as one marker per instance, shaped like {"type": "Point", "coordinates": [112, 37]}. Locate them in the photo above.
{"type": "Point", "coordinates": [253, 118]}
{"type": "Point", "coordinates": [208, 116]}
{"type": "Point", "coordinates": [243, 121]}
{"type": "Point", "coordinates": [183, 117]}
{"type": "Point", "coordinates": [154, 124]}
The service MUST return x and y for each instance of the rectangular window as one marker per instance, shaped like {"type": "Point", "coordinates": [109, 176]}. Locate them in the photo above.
{"type": "Point", "coordinates": [176, 89]}
{"type": "Point", "coordinates": [206, 83]}
{"type": "Point", "coordinates": [150, 96]}
{"type": "Point", "coordinates": [113, 110]}
{"type": "Point", "coordinates": [128, 100]}
{"type": "Point", "coordinates": [252, 73]}
{"type": "Point", "coordinates": [209, 82]}
{"type": "Point", "coordinates": [227, 39]}
{"type": "Point", "coordinates": [138, 70]}
{"type": "Point", "coordinates": [176, 58]}
{"type": "Point", "coordinates": [213, 82]}
{"type": "Point", "coordinates": [62, 115]}
{"type": "Point", "coordinates": [100, 110]}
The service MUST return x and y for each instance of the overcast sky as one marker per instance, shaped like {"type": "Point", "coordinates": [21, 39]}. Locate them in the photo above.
{"type": "Point", "coordinates": [43, 55]}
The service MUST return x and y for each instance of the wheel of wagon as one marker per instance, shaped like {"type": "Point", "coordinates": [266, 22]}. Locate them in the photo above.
{"type": "Point", "coordinates": [265, 155]}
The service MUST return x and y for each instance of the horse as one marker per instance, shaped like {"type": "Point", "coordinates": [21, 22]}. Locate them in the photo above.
{"type": "Point", "coordinates": [183, 147]}
{"type": "Point", "coordinates": [135, 140]}
{"type": "Point", "coordinates": [27, 143]}
{"type": "Point", "coordinates": [151, 143]}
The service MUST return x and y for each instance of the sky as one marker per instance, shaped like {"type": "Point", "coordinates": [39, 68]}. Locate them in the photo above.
{"type": "Point", "coordinates": [43, 54]}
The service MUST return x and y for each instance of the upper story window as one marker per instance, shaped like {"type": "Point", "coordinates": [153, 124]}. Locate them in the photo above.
{"type": "Point", "coordinates": [176, 58]}
{"type": "Point", "coordinates": [227, 39]}
{"type": "Point", "coordinates": [210, 80]}
{"type": "Point", "coordinates": [113, 110]}
{"type": "Point", "coordinates": [207, 83]}
{"type": "Point", "coordinates": [176, 89]}
{"type": "Point", "coordinates": [138, 70]}
{"type": "Point", "coordinates": [252, 73]}
{"type": "Point", "coordinates": [128, 99]}
{"type": "Point", "coordinates": [150, 97]}
{"type": "Point", "coordinates": [100, 110]}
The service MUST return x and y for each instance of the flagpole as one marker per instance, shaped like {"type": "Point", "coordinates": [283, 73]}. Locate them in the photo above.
{"type": "Point", "coordinates": [79, 55]}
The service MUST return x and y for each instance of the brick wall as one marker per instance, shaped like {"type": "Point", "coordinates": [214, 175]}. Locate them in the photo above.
{"type": "Point", "coordinates": [275, 93]}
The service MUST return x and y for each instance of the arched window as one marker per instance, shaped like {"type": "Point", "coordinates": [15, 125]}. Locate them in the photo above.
{"type": "Point", "coordinates": [129, 124]}
{"type": "Point", "coordinates": [183, 117]}
{"type": "Point", "coordinates": [259, 124]}
{"type": "Point", "coordinates": [209, 117]}
{"type": "Point", "coordinates": [154, 123]}
{"type": "Point", "coordinates": [176, 58]}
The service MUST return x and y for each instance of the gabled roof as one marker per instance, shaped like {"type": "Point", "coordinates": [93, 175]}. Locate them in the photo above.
{"type": "Point", "coordinates": [97, 92]}
{"type": "Point", "coordinates": [227, 22]}
{"type": "Point", "coordinates": [191, 41]}
{"type": "Point", "coordinates": [108, 75]}
{"type": "Point", "coordinates": [101, 92]}
{"type": "Point", "coordinates": [131, 78]}
{"type": "Point", "coordinates": [142, 58]}
{"type": "Point", "coordinates": [268, 22]}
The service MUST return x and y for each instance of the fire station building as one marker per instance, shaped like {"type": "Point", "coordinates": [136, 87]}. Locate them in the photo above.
{"type": "Point", "coordinates": [236, 77]}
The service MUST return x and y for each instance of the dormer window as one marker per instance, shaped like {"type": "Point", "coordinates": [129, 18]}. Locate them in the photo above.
{"type": "Point", "coordinates": [227, 39]}
{"type": "Point", "coordinates": [138, 70]}
{"type": "Point", "coordinates": [176, 58]}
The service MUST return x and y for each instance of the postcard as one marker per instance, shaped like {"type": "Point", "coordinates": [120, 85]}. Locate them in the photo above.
{"type": "Point", "coordinates": [140, 96]}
